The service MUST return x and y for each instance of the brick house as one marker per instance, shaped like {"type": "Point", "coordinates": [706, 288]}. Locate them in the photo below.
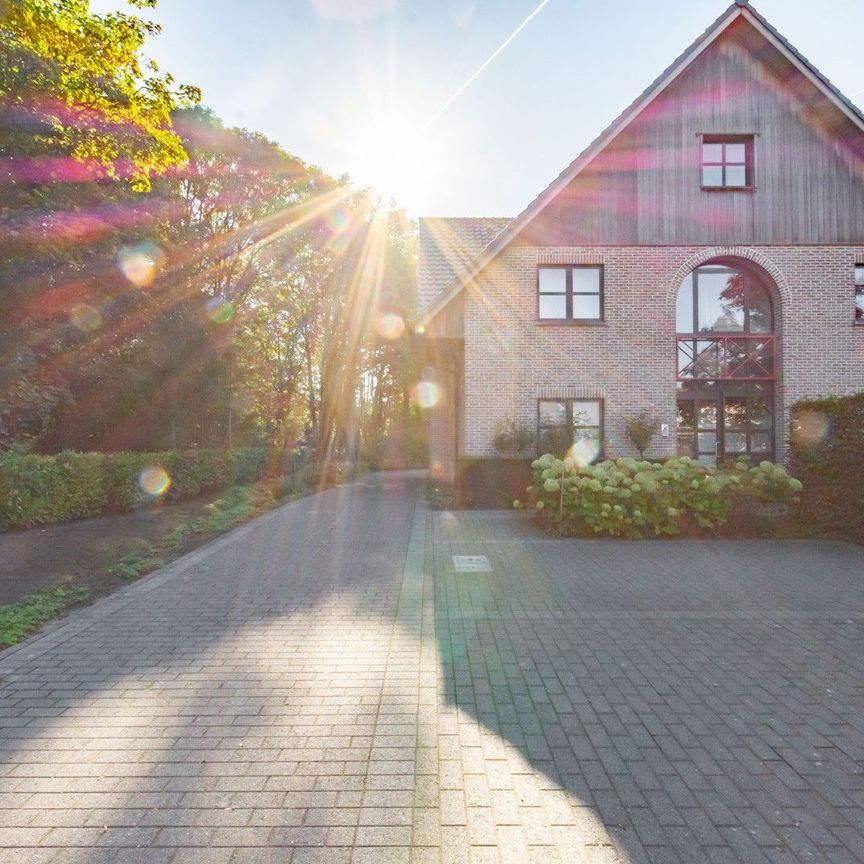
{"type": "Point", "coordinates": [702, 260]}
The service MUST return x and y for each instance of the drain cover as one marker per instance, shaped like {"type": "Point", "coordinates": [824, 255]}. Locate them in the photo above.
{"type": "Point", "coordinates": [471, 564]}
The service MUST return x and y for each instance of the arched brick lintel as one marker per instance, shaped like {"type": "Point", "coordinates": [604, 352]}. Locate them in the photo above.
{"type": "Point", "coordinates": [709, 254]}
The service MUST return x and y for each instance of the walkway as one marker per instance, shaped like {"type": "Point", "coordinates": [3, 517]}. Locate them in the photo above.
{"type": "Point", "coordinates": [320, 685]}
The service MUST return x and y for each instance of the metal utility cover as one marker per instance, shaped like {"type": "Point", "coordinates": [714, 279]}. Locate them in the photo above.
{"type": "Point", "coordinates": [471, 564]}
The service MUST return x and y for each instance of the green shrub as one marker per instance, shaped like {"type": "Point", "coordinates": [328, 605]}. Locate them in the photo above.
{"type": "Point", "coordinates": [827, 453]}
{"type": "Point", "coordinates": [38, 490]}
{"type": "Point", "coordinates": [18, 620]}
{"type": "Point", "coordinates": [141, 558]}
{"type": "Point", "coordinates": [41, 489]}
{"type": "Point", "coordinates": [633, 498]}
{"type": "Point", "coordinates": [641, 430]}
{"type": "Point", "coordinates": [239, 504]}
{"type": "Point", "coordinates": [196, 471]}
{"type": "Point", "coordinates": [121, 472]}
{"type": "Point", "coordinates": [249, 465]}
{"type": "Point", "coordinates": [512, 436]}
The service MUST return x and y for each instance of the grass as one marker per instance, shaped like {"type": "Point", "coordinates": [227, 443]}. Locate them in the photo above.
{"type": "Point", "coordinates": [18, 620]}
{"type": "Point", "coordinates": [141, 559]}
{"type": "Point", "coordinates": [238, 505]}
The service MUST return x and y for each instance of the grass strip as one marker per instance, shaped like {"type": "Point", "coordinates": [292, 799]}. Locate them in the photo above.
{"type": "Point", "coordinates": [20, 619]}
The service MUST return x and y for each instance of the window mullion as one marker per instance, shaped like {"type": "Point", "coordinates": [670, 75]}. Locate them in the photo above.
{"type": "Point", "coordinates": [695, 321]}
{"type": "Point", "coordinates": [569, 285]}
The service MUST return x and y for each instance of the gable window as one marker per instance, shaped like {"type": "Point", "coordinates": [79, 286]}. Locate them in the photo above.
{"type": "Point", "coordinates": [572, 426]}
{"type": "Point", "coordinates": [859, 294]}
{"type": "Point", "coordinates": [727, 162]}
{"type": "Point", "coordinates": [570, 293]}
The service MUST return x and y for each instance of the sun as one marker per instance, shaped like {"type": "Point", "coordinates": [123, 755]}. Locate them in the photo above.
{"type": "Point", "coordinates": [396, 160]}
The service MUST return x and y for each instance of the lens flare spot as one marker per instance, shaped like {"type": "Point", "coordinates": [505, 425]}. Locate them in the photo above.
{"type": "Point", "coordinates": [141, 264]}
{"type": "Point", "coordinates": [154, 480]}
{"type": "Point", "coordinates": [811, 428]}
{"type": "Point", "coordinates": [220, 310]}
{"type": "Point", "coordinates": [426, 394]}
{"type": "Point", "coordinates": [338, 220]}
{"type": "Point", "coordinates": [390, 325]}
{"type": "Point", "coordinates": [86, 318]}
{"type": "Point", "coordinates": [583, 452]}
{"type": "Point", "coordinates": [419, 329]}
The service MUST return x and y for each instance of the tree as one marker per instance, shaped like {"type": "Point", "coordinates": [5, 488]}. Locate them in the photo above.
{"type": "Point", "coordinates": [85, 126]}
{"type": "Point", "coordinates": [75, 85]}
{"type": "Point", "coordinates": [171, 282]}
{"type": "Point", "coordinates": [641, 429]}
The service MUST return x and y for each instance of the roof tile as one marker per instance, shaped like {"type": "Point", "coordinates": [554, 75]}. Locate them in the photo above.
{"type": "Point", "coordinates": [447, 248]}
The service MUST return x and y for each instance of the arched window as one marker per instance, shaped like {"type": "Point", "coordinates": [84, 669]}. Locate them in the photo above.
{"type": "Point", "coordinates": [718, 299]}
{"type": "Point", "coordinates": [726, 365]}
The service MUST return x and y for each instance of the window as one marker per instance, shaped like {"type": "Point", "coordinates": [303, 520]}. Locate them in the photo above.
{"type": "Point", "coordinates": [727, 161]}
{"type": "Point", "coordinates": [570, 294]}
{"type": "Point", "coordinates": [725, 326]}
{"type": "Point", "coordinates": [719, 299]}
{"type": "Point", "coordinates": [859, 293]}
{"type": "Point", "coordinates": [573, 426]}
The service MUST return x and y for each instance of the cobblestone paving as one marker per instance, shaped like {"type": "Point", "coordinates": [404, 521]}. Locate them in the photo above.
{"type": "Point", "coordinates": [659, 701]}
{"type": "Point", "coordinates": [321, 686]}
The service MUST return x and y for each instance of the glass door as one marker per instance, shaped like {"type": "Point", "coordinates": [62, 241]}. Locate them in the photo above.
{"type": "Point", "coordinates": [721, 421]}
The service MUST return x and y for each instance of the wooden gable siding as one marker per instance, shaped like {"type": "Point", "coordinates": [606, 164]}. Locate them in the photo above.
{"type": "Point", "coordinates": [645, 187]}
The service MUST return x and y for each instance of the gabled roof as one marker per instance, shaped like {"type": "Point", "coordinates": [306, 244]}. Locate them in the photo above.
{"type": "Point", "coordinates": [739, 9]}
{"type": "Point", "coordinates": [448, 247]}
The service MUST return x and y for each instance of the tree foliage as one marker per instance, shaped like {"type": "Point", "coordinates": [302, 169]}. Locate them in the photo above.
{"type": "Point", "coordinates": [171, 282]}
{"type": "Point", "coordinates": [74, 85]}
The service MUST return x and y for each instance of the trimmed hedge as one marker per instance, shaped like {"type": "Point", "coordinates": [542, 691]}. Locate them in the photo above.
{"type": "Point", "coordinates": [827, 453]}
{"type": "Point", "coordinates": [37, 490]}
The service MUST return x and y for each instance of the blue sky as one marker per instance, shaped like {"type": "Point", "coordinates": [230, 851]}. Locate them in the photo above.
{"type": "Point", "coordinates": [351, 85]}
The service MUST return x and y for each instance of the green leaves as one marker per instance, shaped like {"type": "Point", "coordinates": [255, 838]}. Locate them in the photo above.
{"type": "Point", "coordinates": [633, 499]}
{"type": "Point", "coordinates": [827, 452]}
{"type": "Point", "coordinates": [80, 76]}
{"type": "Point", "coordinates": [38, 490]}
{"type": "Point", "coordinates": [18, 620]}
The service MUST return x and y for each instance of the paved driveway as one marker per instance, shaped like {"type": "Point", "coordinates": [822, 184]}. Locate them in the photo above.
{"type": "Point", "coordinates": [322, 686]}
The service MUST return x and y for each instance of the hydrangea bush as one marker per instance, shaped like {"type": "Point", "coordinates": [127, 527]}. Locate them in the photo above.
{"type": "Point", "coordinates": [633, 498]}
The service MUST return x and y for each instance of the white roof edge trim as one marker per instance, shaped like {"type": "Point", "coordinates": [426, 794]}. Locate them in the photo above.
{"type": "Point", "coordinates": [557, 185]}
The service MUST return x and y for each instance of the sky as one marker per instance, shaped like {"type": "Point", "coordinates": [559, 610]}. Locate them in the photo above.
{"type": "Point", "coordinates": [388, 91]}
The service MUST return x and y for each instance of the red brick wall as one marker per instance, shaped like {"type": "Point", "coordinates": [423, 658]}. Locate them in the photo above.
{"type": "Point", "coordinates": [511, 359]}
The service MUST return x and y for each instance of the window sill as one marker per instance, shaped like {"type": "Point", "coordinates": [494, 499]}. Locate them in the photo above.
{"type": "Point", "coordinates": [569, 322]}
{"type": "Point", "coordinates": [729, 188]}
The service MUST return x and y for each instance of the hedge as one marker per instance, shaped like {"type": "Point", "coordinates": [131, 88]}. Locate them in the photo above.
{"type": "Point", "coordinates": [492, 482]}
{"type": "Point", "coordinates": [36, 490]}
{"type": "Point", "coordinates": [827, 453]}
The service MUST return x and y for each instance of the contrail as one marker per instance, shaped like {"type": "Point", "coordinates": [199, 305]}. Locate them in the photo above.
{"type": "Point", "coordinates": [494, 54]}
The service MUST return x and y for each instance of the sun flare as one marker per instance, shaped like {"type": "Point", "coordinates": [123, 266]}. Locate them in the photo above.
{"type": "Point", "coordinates": [396, 160]}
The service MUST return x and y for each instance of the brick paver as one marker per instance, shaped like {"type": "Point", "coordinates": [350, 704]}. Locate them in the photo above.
{"type": "Point", "coordinates": [322, 686]}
